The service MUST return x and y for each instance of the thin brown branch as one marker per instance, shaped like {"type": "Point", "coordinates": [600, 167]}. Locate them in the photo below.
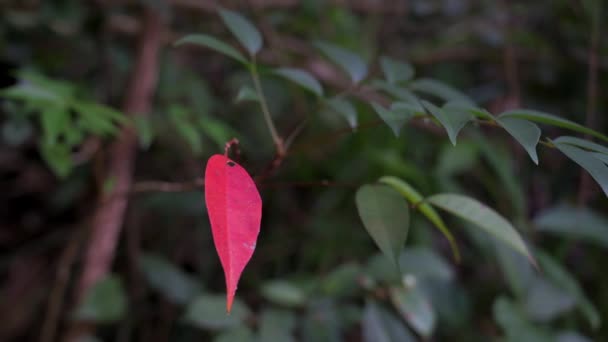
{"type": "Point", "coordinates": [108, 218]}
{"type": "Point", "coordinates": [151, 186]}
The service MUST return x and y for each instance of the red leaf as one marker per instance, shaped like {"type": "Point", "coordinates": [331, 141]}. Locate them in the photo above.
{"type": "Point", "coordinates": [235, 211]}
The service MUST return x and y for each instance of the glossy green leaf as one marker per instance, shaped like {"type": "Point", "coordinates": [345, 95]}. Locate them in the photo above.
{"type": "Point", "coordinates": [525, 132]}
{"type": "Point", "coordinates": [396, 71]}
{"type": "Point", "coordinates": [552, 120]}
{"type": "Point", "coordinates": [283, 293]}
{"type": "Point", "coordinates": [482, 216]}
{"type": "Point", "coordinates": [379, 325]}
{"type": "Point", "coordinates": [416, 199]}
{"type": "Point", "coordinates": [582, 143]}
{"type": "Point", "coordinates": [209, 312]}
{"type": "Point", "coordinates": [564, 280]}
{"type": "Point", "coordinates": [243, 30]}
{"type": "Point", "coordinates": [415, 308]}
{"type": "Point", "coordinates": [395, 119]}
{"type": "Point", "coordinates": [344, 108]}
{"type": "Point", "coordinates": [350, 62]}
{"type": "Point", "coordinates": [214, 44]}
{"type": "Point", "coordinates": [574, 222]}
{"type": "Point", "coordinates": [166, 278]}
{"type": "Point", "coordinates": [600, 156]}
{"type": "Point", "coordinates": [385, 215]}
{"type": "Point", "coordinates": [440, 90]}
{"type": "Point", "coordinates": [453, 121]}
{"type": "Point", "coordinates": [596, 168]}
{"type": "Point", "coordinates": [105, 302]}
{"type": "Point", "coordinates": [302, 78]}
{"type": "Point", "coordinates": [246, 93]}
{"type": "Point", "coordinates": [399, 93]}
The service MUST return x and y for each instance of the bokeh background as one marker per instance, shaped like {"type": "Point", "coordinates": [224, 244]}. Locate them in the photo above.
{"type": "Point", "coordinates": [103, 230]}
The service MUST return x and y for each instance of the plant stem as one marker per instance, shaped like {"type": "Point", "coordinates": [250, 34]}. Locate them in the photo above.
{"type": "Point", "coordinates": [278, 142]}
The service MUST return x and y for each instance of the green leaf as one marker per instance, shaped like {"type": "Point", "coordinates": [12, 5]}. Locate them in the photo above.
{"type": "Point", "coordinates": [104, 302]}
{"type": "Point", "coordinates": [347, 60]}
{"type": "Point", "coordinates": [399, 93]}
{"type": "Point", "coordinates": [243, 30]}
{"type": "Point", "coordinates": [601, 157]}
{"type": "Point", "coordinates": [515, 324]}
{"type": "Point", "coordinates": [582, 143]}
{"type": "Point", "coordinates": [596, 168]}
{"type": "Point", "coordinates": [344, 108]}
{"type": "Point", "coordinates": [283, 293]}
{"type": "Point", "coordinates": [525, 132]}
{"type": "Point", "coordinates": [185, 128]}
{"type": "Point", "coordinates": [214, 44]}
{"type": "Point", "coordinates": [302, 78]}
{"type": "Point", "coordinates": [425, 263]}
{"type": "Point", "coordinates": [54, 120]}
{"type": "Point", "coordinates": [515, 267]}
{"type": "Point", "coordinates": [440, 90]}
{"type": "Point", "coordinates": [562, 279]}
{"type": "Point", "coordinates": [552, 120]}
{"type": "Point", "coordinates": [453, 121]}
{"type": "Point", "coordinates": [395, 71]}
{"type": "Point", "coordinates": [166, 278]}
{"type": "Point", "coordinates": [342, 281]}
{"type": "Point", "coordinates": [416, 199]}
{"type": "Point", "coordinates": [277, 325]}
{"type": "Point", "coordinates": [571, 336]}
{"type": "Point", "coordinates": [415, 308]}
{"type": "Point", "coordinates": [379, 325]}
{"type": "Point", "coordinates": [545, 302]}
{"type": "Point", "coordinates": [395, 119]}
{"type": "Point", "coordinates": [236, 334]}
{"type": "Point", "coordinates": [107, 113]}
{"type": "Point", "coordinates": [484, 217]}
{"type": "Point", "coordinates": [30, 92]}
{"type": "Point", "coordinates": [246, 93]}
{"type": "Point", "coordinates": [209, 312]}
{"type": "Point", "coordinates": [58, 157]}
{"type": "Point", "coordinates": [574, 222]}
{"type": "Point", "coordinates": [385, 215]}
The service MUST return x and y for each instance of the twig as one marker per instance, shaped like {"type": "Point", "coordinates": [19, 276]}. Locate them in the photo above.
{"type": "Point", "coordinates": [278, 142]}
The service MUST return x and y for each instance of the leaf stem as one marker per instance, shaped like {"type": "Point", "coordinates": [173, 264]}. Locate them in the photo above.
{"type": "Point", "coordinates": [278, 142]}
